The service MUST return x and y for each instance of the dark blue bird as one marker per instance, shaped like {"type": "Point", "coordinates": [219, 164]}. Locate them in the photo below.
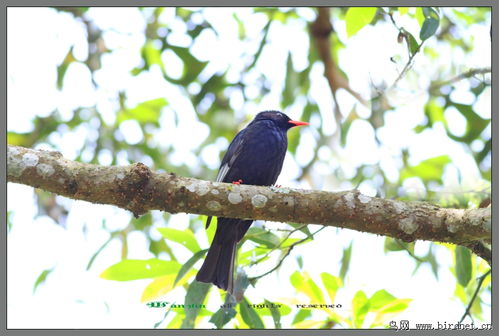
{"type": "Point", "coordinates": [255, 156]}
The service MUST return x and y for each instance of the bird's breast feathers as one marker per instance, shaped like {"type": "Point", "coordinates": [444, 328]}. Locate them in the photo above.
{"type": "Point", "coordinates": [256, 157]}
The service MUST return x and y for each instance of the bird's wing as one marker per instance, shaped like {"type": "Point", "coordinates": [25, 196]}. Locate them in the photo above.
{"type": "Point", "coordinates": [230, 156]}
{"type": "Point", "coordinates": [228, 160]}
{"type": "Point", "coordinates": [222, 172]}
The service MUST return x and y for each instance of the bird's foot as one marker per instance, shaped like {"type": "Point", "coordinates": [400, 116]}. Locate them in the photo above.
{"type": "Point", "coordinates": [237, 182]}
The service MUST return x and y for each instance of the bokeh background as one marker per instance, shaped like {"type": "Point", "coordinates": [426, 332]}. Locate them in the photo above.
{"type": "Point", "coordinates": [170, 87]}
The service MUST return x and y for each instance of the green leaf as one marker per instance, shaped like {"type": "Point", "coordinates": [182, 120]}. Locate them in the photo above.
{"type": "Point", "coordinates": [142, 222]}
{"type": "Point", "coordinates": [188, 265]}
{"type": "Point", "coordinates": [434, 112]}
{"type": "Point", "coordinates": [61, 69]}
{"type": "Point", "coordinates": [386, 311]}
{"type": "Point", "coordinates": [393, 244]}
{"type": "Point", "coordinates": [240, 26]}
{"type": "Point", "coordinates": [430, 12]}
{"type": "Point", "coordinates": [18, 139]}
{"type": "Point", "coordinates": [247, 257]}
{"type": "Point", "coordinates": [151, 55]}
{"type": "Point", "coordinates": [43, 128]}
{"type": "Point", "coordinates": [276, 314]}
{"type": "Point", "coordinates": [299, 260]}
{"type": "Point", "coordinates": [42, 278]}
{"type": "Point", "coordinates": [428, 170]}
{"type": "Point", "coordinates": [195, 296]}
{"type": "Point", "coordinates": [131, 269]}
{"type": "Point", "coordinates": [290, 83]}
{"type": "Point", "coordinates": [223, 316]}
{"type": "Point", "coordinates": [185, 238]}
{"type": "Point", "coordinates": [476, 309]}
{"type": "Point", "coordinates": [474, 123]}
{"type": "Point", "coordinates": [75, 11]}
{"type": "Point", "coordinates": [308, 110]}
{"type": "Point", "coordinates": [302, 228]}
{"type": "Point", "coordinates": [192, 66]}
{"type": "Point", "coordinates": [9, 220]}
{"type": "Point", "coordinates": [345, 261]}
{"type": "Point", "coordinates": [358, 17]}
{"type": "Point", "coordinates": [289, 241]}
{"type": "Point", "coordinates": [302, 315]}
{"type": "Point", "coordinates": [345, 125]}
{"type": "Point", "coordinates": [432, 260]}
{"type": "Point", "coordinates": [464, 16]}
{"type": "Point", "coordinates": [480, 156]}
{"type": "Point", "coordinates": [412, 44]}
{"type": "Point", "coordinates": [460, 293]}
{"type": "Point", "coordinates": [264, 237]}
{"type": "Point", "coordinates": [430, 26]}
{"type": "Point", "coordinates": [144, 113]}
{"type": "Point", "coordinates": [478, 89]}
{"type": "Point", "coordinates": [293, 140]}
{"type": "Point", "coordinates": [386, 306]}
{"type": "Point", "coordinates": [281, 15]}
{"type": "Point", "coordinates": [380, 299]}
{"type": "Point", "coordinates": [360, 307]}
{"type": "Point", "coordinates": [395, 306]}
{"type": "Point", "coordinates": [304, 283]}
{"type": "Point", "coordinates": [463, 265]}
{"type": "Point", "coordinates": [216, 83]}
{"type": "Point", "coordinates": [311, 324]}
{"type": "Point", "coordinates": [420, 16]}
{"type": "Point", "coordinates": [315, 290]}
{"type": "Point", "coordinates": [265, 311]}
{"type": "Point", "coordinates": [226, 312]}
{"type": "Point", "coordinates": [332, 284]}
{"type": "Point", "coordinates": [250, 316]}
{"type": "Point", "coordinates": [162, 285]}
{"type": "Point", "coordinates": [403, 10]}
{"type": "Point", "coordinates": [158, 246]}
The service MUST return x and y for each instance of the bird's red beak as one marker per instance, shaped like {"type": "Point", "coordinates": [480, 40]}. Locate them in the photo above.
{"type": "Point", "coordinates": [298, 123]}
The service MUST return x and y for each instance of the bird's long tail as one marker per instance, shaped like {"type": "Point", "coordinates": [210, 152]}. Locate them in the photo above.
{"type": "Point", "coordinates": [218, 266]}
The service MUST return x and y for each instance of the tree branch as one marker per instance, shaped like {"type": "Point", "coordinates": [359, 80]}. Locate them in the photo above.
{"type": "Point", "coordinates": [406, 67]}
{"type": "Point", "coordinates": [321, 28]}
{"type": "Point", "coordinates": [478, 286]}
{"type": "Point", "coordinates": [464, 75]}
{"type": "Point", "coordinates": [138, 189]}
{"type": "Point", "coordinates": [288, 252]}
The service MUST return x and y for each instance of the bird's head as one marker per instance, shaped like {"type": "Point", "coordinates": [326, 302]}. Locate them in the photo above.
{"type": "Point", "coordinates": [282, 120]}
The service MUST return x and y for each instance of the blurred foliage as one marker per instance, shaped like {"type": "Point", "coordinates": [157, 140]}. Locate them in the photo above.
{"type": "Point", "coordinates": [42, 278]}
{"type": "Point", "coordinates": [211, 93]}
